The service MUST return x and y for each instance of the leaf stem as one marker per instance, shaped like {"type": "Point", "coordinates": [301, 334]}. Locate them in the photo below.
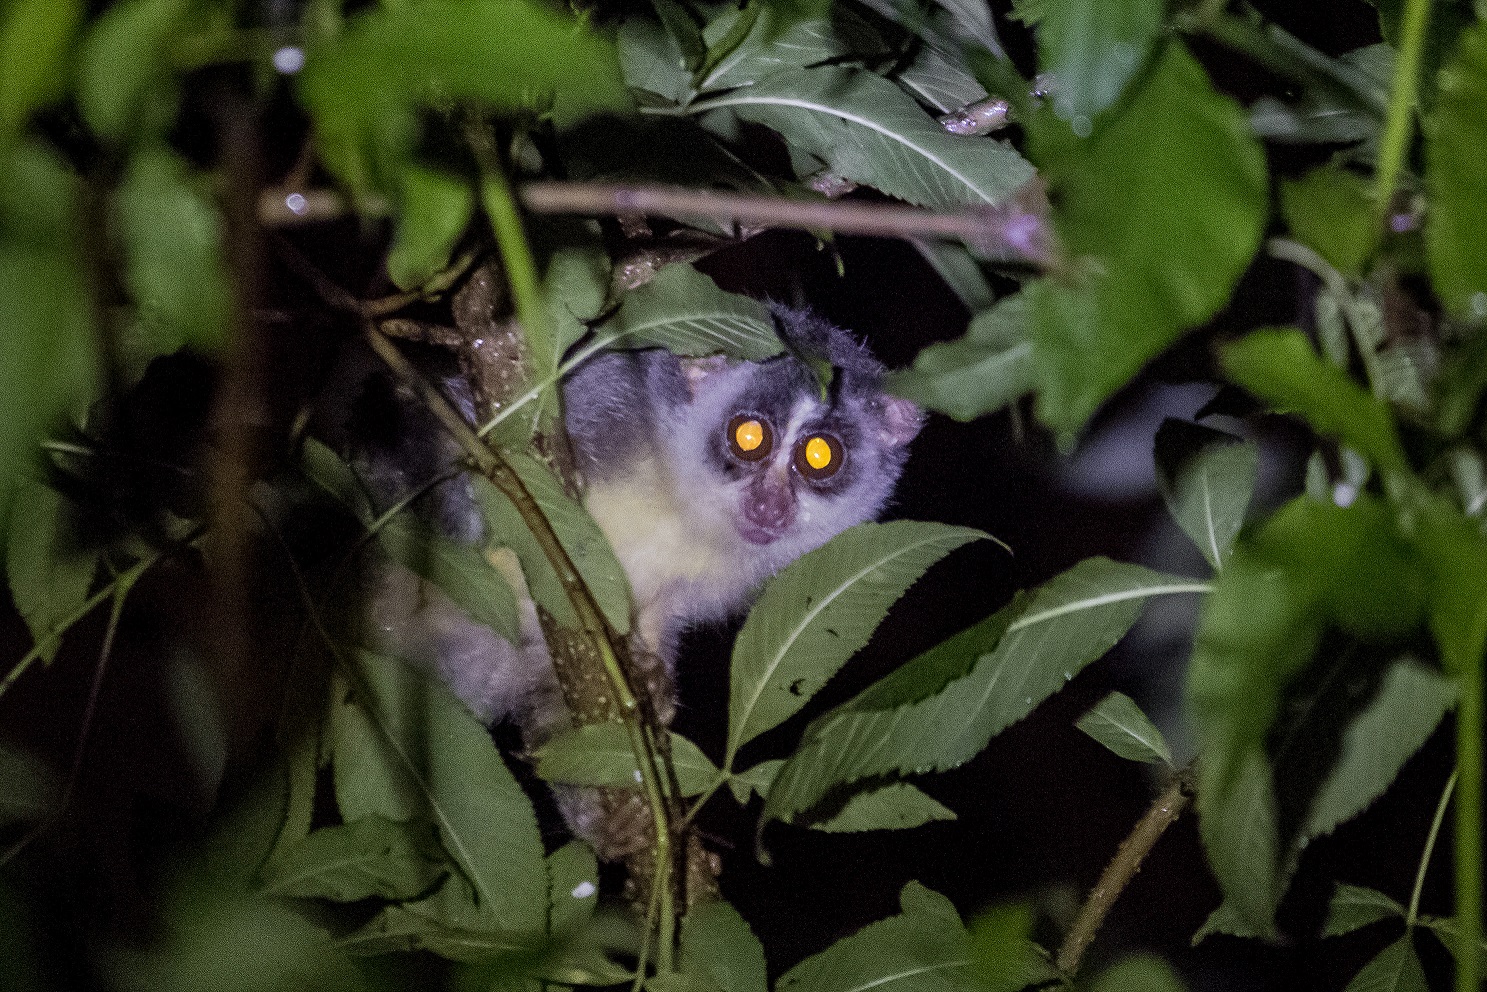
{"type": "Point", "coordinates": [1435, 828]}
{"type": "Point", "coordinates": [1122, 868]}
{"type": "Point", "coordinates": [1403, 95]}
{"type": "Point", "coordinates": [516, 253]}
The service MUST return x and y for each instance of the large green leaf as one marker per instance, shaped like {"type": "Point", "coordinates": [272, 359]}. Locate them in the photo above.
{"type": "Point", "coordinates": [940, 80]}
{"type": "Point", "coordinates": [173, 254]}
{"type": "Point", "coordinates": [1093, 50]}
{"type": "Point", "coordinates": [599, 754]}
{"type": "Point", "coordinates": [925, 949]}
{"type": "Point", "coordinates": [433, 211]}
{"type": "Point", "coordinates": [575, 887]}
{"type": "Point", "coordinates": [819, 611]}
{"type": "Point", "coordinates": [1206, 478]}
{"type": "Point", "coordinates": [576, 531]}
{"type": "Point", "coordinates": [1282, 367]}
{"type": "Point", "coordinates": [1177, 167]}
{"type": "Point", "coordinates": [461, 571]}
{"type": "Point", "coordinates": [405, 749]}
{"type": "Point", "coordinates": [1331, 211]}
{"type": "Point", "coordinates": [359, 860]}
{"type": "Point", "coordinates": [988, 368]}
{"type": "Point", "coordinates": [895, 806]}
{"type": "Point", "coordinates": [1118, 723]}
{"type": "Point", "coordinates": [869, 131]}
{"type": "Point", "coordinates": [1395, 969]}
{"type": "Point", "coordinates": [718, 945]}
{"type": "Point", "coordinates": [1456, 180]}
{"type": "Point", "coordinates": [49, 568]}
{"type": "Point", "coordinates": [685, 312]}
{"type": "Point", "coordinates": [943, 707]}
{"type": "Point", "coordinates": [365, 85]}
{"type": "Point", "coordinates": [1143, 973]}
{"type": "Point", "coordinates": [36, 37]}
{"type": "Point", "coordinates": [122, 62]}
{"type": "Point", "coordinates": [1354, 907]}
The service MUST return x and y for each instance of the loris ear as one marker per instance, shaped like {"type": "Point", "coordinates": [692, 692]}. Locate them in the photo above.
{"type": "Point", "coordinates": [699, 372]}
{"type": "Point", "coordinates": [901, 422]}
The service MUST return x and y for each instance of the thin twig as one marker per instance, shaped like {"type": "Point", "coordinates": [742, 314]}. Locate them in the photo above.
{"type": "Point", "coordinates": [1122, 868]}
{"type": "Point", "coordinates": [1435, 828]}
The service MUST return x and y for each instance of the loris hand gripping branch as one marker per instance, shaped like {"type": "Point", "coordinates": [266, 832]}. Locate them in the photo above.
{"type": "Point", "coordinates": [706, 475]}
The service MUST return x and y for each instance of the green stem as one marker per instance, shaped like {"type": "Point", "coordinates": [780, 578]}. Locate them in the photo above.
{"type": "Point", "coordinates": [1435, 829]}
{"type": "Point", "coordinates": [1400, 118]}
{"type": "Point", "coordinates": [1469, 828]}
{"type": "Point", "coordinates": [516, 255]}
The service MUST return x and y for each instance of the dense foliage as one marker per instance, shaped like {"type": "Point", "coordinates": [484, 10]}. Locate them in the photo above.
{"type": "Point", "coordinates": [155, 431]}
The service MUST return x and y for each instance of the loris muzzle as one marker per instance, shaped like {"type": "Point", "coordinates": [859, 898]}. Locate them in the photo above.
{"type": "Point", "coordinates": [707, 475]}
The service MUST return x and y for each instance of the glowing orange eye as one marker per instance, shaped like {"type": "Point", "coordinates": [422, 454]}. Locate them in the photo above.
{"type": "Point", "coordinates": [750, 437]}
{"type": "Point", "coordinates": [818, 456]}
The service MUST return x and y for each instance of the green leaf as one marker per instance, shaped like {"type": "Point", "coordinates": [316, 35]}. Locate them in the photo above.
{"type": "Point", "coordinates": [766, 38]}
{"type": "Point", "coordinates": [1206, 478]}
{"type": "Point", "coordinates": [35, 41]}
{"type": "Point", "coordinates": [1093, 51]}
{"type": "Point", "coordinates": [685, 312]}
{"type": "Point", "coordinates": [576, 531]}
{"type": "Point", "coordinates": [651, 60]}
{"type": "Point", "coordinates": [366, 858]}
{"type": "Point", "coordinates": [1446, 930]}
{"type": "Point", "coordinates": [869, 131]}
{"type": "Point", "coordinates": [1456, 180]}
{"type": "Point", "coordinates": [461, 571]}
{"type": "Point", "coordinates": [599, 754]}
{"type": "Point", "coordinates": [434, 210]}
{"type": "Point", "coordinates": [926, 949]}
{"type": "Point", "coordinates": [1281, 367]}
{"type": "Point", "coordinates": [575, 887]}
{"type": "Point", "coordinates": [1395, 969]}
{"type": "Point", "coordinates": [1142, 973]}
{"type": "Point", "coordinates": [364, 85]}
{"type": "Point", "coordinates": [49, 568]}
{"type": "Point", "coordinates": [1177, 166]}
{"type": "Point", "coordinates": [940, 80]}
{"type": "Point", "coordinates": [683, 30]}
{"type": "Point", "coordinates": [819, 611]}
{"type": "Point", "coordinates": [977, 374]}
{"type": "Point", "coordinates": [718, 945]}
{"type": "Point", "coordinates": [39, 196]}
{"type": "Point", "coordinates": [756, 779]}
{"type": "Point", "coordinates": [1455, 554]}
{"type": "Point", "coordinates": [29, 787]}
{"type": "Point", "coordinates": [895, 806]}
{"type": "Point", "coordinates": [1001, 953]}
{"type": "Point", "coordinates": [1118, 723]}
{"type": "Point", "coordinates": [173, 251]}
{"type": "Point", "coordinates": [122, 64]}
{"type": "Point", "coordinates": [1354, 907]}
{"type": "Point", "coordinates": [449, 923]}
{"type": "Point", "coordinates": [1331, 212]}
{"type": "Point", "coordinates": [575, 283]}
{"type": "Point", "coordinates": [406, 749]}
{"type": "Point", "coordinates": [942, 708]}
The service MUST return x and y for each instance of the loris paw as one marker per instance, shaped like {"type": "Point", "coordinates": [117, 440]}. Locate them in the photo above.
{"type": "Point", "coordinates": [653, 676]}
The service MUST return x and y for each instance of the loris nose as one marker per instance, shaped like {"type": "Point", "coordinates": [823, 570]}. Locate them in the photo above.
{"type": "Point", "coordinates": [768, 504]}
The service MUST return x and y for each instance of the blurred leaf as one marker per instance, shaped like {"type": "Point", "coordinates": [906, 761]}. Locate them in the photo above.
{"type": "Point", "coordinates": [1331, 211]}
{"type": "Point", "coordinates": [685, 312]}
{"type": "Point", "coordinates": [718, 945]}
{"type": "Point", "coordinates": [449, 923]}
{"type": "Point", "coordinates": [1093, 50]}
{"type": "Point", "coordinates": [575, 283]}
{"type": "Point", "coordinates": [869, 131]}
{"type": "Point", "coordinates": [988, 368]}
{"type": "Point", "coordinates": [1176, 167]}
{"type": "Point", "coordinates": [434, 210]}
{"type": "Point", "coordinates": [1001, 952]}
{"type": "Point", "coordinates": [756, 779]}
{"type": "Point", "coordinates": [1354, 907]}
{"type": "Point", "coordinates": [955, 264]}
{"type": "Point", "coordinates": [359, 860]}
{"type": "Point", "coordinates": [39, 196]}
{"type": "Point", "coordinates": [1395, 969]}
{"type": "Point", "coordinates": [1142, 973]}
{"type": "Point", "coordinates": [1447, 20]}
{"type": "Point", "coordinates": [1281, 367]}
{"type": "Point", "coordinates": [122, 60]}
{"type": "Point", "coordinates": [895, 806]}
{"type": "Point", "coordinates": [364, 86]}
{"type": "Point", "coordinates": [942, 708]}
{"type": "Point", "coordinates": [819, 611]}
{"type": "Point", "coordinates": [678, 22]}
{"type": "Point", "coordinates": [29, 789]}
{"type": "Point", "coordinates": [575, 887]}
{"type": "Point", "coordinates": [1206, 478]}
{"type": "Point", "coordinates": [1118, 723]}
{"type": "Point", "coordinates": [461, 571]}
{"type": "Point", "coordinates": [1456, 180]}
{"type": "Point", "coordinates": [49, 569]}
{"type": "Point", "coordinates": [173, 251]}
{"type": "Point", "coordinates": [1449, 934]}
{"type": "Point", "coordinates": [411, 750]}
{"type": "Point", "coordinates": [36, 37]}
{"type": "Point", "coordinates": [652, 61]}
{"type": "Point", "coordinates": [1455, 554]}
{"type": "Point", "coordinates": [599, 754]}
{"type": "Point", "coordinates": [20, 960]}
{"type": "Point", "coordinates": [48, 362]}
{"type": "Point", "coordinates": [576, 531]}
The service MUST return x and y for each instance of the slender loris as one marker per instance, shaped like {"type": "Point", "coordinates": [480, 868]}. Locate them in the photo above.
{"type": "Point", "coordinates": [706, 475]}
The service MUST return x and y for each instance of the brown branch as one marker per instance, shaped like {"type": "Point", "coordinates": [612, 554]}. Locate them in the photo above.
{"type": "Point", "coordinates": [1122, 868]}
